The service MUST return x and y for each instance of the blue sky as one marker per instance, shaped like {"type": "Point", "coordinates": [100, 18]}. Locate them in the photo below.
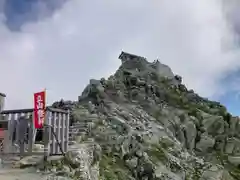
{"type": "Point", "coordinates": [61, 44]}
{"type": "Point", "coordinates": [20, 12]}
{"type": "Point", "coordinates": [17, 12]}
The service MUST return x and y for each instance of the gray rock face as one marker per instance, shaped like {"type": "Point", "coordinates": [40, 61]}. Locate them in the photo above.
{"type": "Point", "coordinates": [191, 133]}
{"type": "Point", "coordinates": [84, 160]}
{"type": "Point", "coordinates": [165, 71]}
{"type": "Point", "coordinates": [148, 125]}
{"type": "Point", "coordinates": [205, 143]}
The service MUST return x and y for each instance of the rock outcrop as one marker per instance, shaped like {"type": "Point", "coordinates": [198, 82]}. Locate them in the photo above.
{"type": "Point", "coordinates": [148, 125]}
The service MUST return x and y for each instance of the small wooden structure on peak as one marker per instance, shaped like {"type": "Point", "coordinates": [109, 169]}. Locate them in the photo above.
{"type": "Point", "coordinates": [124, 56]}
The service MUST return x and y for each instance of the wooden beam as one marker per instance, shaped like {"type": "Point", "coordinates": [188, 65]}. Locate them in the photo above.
{"type": "Point", "coordinates": [30, 110]}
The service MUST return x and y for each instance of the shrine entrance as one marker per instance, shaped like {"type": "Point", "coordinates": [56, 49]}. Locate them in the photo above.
{"type": "Point", "coordinates": [19, 137]}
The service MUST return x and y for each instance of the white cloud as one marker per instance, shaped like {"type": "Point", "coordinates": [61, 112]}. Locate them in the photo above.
{"type": "Point", "coordinates": [83, 39]}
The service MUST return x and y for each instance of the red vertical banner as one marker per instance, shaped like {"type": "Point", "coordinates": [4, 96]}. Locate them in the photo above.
{"type": "Point", "coordinates": [39, 109]}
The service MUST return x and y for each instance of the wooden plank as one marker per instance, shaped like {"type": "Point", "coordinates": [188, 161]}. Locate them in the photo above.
{"type": "Point", "coordinates": [55, 131]}
{"type": "Point", "coordinates": [46, 137]}
{"type": "Point", "coordinates": [60, 138]}
{"type": "Point", "coordinates": [15, 111]}
{"type": "Point", "coordinates": [22, 127]}
{"type": "Point", "coordinates": [51, 109]}
{"type": "Point", "coordinates": [58, 132]}
{"type": "Point", "coordinates": [6, 142]}
{"type": "Point", "coordinates": [50, 118]}
{"type": "Point", "coordinates": [12, 128]}
{"type": "Point", "coordinates": [67, 131]}
{"type": "Point", "coordinates": [64, 119]}
{"type": "Point", "coordinates": [31, 135]}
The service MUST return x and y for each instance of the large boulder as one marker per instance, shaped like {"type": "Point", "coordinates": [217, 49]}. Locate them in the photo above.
{"type": "Point", "coordinates": [191, 133]}
{"type": "Point", "coordinates": [214, 125]}
{"type": "Point", "coordinates": [206, 142]}
{"type": "Point", "coordinates": [216, 173]}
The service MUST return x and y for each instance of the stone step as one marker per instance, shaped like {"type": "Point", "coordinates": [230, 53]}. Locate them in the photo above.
{"type": "Point", "coordinates": [90, 139]}
{"type": "Point", "coordinates": [88, 120]}
{"type": "Point", "coordinates": [79, 129]}
{"type": "Point", "coordinates": [80, 123]}
{"type": "Point", "coordinates": [76, 133]}
{"type": "Point", "coordinates": [78, 126]}
{"type": "Point", "coordinates": [9, 160]}
{"type": "Point", "coordinates": [72, 142]}
{"type": "Point", "coordinates": [89, 117]}
{"type": "Point", "coordinates": [5, 162]}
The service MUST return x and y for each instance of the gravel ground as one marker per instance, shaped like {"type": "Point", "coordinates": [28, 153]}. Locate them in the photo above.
{"type": "Point", "coordinates": [18, 174]}
{"type": "Point", "coordinates": [26, 174]}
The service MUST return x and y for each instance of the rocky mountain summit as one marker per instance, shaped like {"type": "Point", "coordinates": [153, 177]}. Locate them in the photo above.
{"type": "Point", "coordinates": [143, 123]}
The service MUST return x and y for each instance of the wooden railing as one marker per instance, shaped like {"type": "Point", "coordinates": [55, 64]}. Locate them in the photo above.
{"type": "Point", "coordinates": [56, 119]}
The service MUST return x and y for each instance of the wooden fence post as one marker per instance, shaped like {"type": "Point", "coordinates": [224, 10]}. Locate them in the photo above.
{"type": "Point", "coordinates": [46, 138]}
{"type": "Point", "coordinates": [22, 127]}
{"type": "Point", "coordinates": [30, 135]}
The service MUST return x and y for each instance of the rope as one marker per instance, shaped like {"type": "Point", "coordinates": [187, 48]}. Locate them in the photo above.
{"type": "Point", "coordinates": [55, 136]}
{"type": "Point", "coordinates": [60, 147]}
